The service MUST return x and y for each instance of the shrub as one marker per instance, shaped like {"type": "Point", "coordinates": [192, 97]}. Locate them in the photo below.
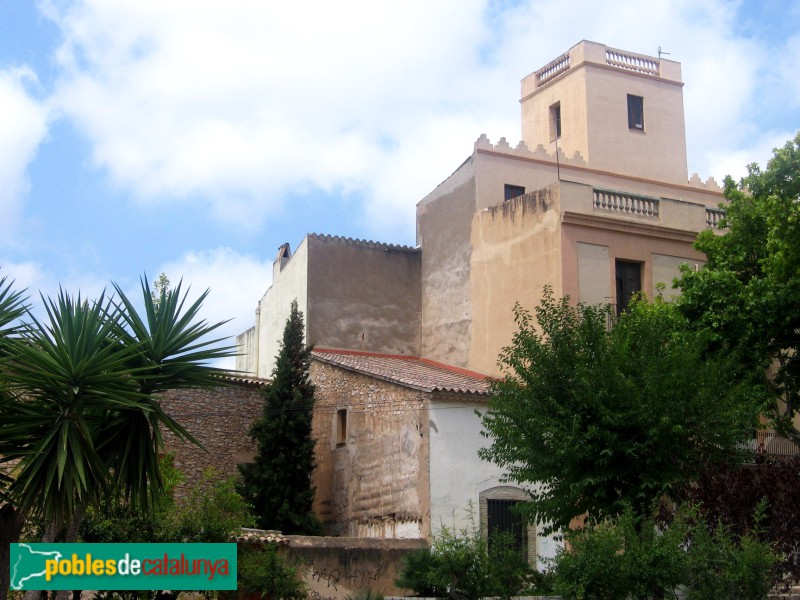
{"type": "Point", "coordinates": [632, 557]}
{"type": "Point", "coordinates": [460, 563]}
{"type": "Point", "coordinates": [265, 572]}
{"type": "Point", "coordinates": [414, 573]}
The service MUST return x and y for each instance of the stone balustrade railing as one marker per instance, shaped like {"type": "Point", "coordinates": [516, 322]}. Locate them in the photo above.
{"type": "Point", "coordinates": [713, 217]}
{"type": "Point", "coordinates": [629, 204]}
{"type": "Point", "coordinates": [632, 62]}
{"type": "Point", "coordinates": [552, 70]}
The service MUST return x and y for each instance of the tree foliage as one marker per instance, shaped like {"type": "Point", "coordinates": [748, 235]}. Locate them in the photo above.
{"type": "Point", "coordinates": [278, 483]}
{"type": "Point", "coordinates": [591, 420]}
{"type": "Point", "coordinates": [210, 512]}
{"type": "Point", "coordinates": [748, 295]}
{"type": "Point", "coordinates": [730, 495]}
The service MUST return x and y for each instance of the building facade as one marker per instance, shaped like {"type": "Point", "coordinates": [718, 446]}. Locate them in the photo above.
{"type": "Point", "coordinates": [595, 202]}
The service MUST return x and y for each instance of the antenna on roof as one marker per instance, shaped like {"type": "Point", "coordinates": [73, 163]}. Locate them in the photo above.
{"type": "Point", "coordinates": [662, 53]}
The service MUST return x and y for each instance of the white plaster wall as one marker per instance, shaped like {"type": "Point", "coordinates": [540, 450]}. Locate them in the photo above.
{"type": "Point", "coordinates": [458, 475]}
{"type": "Point", "coordinates": [289, 282]}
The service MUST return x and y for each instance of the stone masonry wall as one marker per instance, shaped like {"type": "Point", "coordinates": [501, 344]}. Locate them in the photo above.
{"type": "Point", "coordinates": [220, 420]}
{"type": "Point", "coordinates": [372, 479]}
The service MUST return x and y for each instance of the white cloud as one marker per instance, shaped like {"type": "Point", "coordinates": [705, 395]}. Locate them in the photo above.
{"type": "Point", "coordinates": [236, 282]}
{"type": "Point", "coordinates": [239, 105]}
{"type": "Point", "coordinates": [23, 126]}
{"type": "Point", "coordinates": [187, 99]}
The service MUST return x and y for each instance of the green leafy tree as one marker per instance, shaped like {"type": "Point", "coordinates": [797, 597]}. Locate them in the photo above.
{"type": "Point", "coordinates": [80, 417]}
{"type": "Point", "coordinates": [748, 294]}
{"type": "Point", "coordinates": [591, 420]}
{"type": "Point", "coordinates": [278, 483]}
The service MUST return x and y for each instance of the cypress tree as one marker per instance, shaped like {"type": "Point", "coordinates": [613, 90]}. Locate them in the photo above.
{"type": "Point", "coordinates": [278, 483]}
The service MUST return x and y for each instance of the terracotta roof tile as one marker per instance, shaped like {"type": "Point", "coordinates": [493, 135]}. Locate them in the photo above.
{"type": "Point", "coordinates": [242, 378]}
{"type": "Point", "coordinates": [261, 536]}
{"type": "Point", "coordinates": [410, 371]}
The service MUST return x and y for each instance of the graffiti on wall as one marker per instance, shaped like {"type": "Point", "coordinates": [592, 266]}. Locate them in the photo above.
{"type": "Point", "coordinates": [354, 580]}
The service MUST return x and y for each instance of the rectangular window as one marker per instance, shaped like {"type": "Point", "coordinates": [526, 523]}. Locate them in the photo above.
{"type": "Point", "coordinates": [629, 282]}
{"type": "Point", "coordinates": [635, 112]}
{"type": "Point", "coordinates": [341, 426]}
{"type": "Point", "coordinates": [512, 191]}
{"type": "Point", "coordinates": [555, 121]}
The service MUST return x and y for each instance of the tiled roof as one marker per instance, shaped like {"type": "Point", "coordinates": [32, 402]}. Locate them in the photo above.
{"type": "Point", "coordinates": [410, 371]}
{"type": "Point", "coordinates": [240, 378]}
{"type": "Point", "coordinates": [261, 536]}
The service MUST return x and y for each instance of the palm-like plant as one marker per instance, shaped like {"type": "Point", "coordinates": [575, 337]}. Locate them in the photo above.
{"type": "Point", "coordinates": [78, 412]}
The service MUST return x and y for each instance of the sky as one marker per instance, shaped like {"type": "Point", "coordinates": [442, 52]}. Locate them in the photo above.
{"type": "Point", "coordinates": [194, 137]}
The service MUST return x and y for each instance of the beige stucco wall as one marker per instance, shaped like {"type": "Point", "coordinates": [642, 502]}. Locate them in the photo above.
{"type": "Point", "coordinates": [658, 152]}
{"type": "Point", "coordinates": [593, 263]}
{"type": "Point", "coordinates": [666, 269]}
{"type": "Point", "coordinates": [516, 252]}
{"type": "Point", "coordinates": [353, 294]}
{"type": "Point", "coordinates": [444, 220]}
{"type": "Point", "coordinates": [494, 171]}
{"type": "Point", "coordinates": [622, 244]}
{"type": "Point", "coordinates": [363, 296]}
{"type": "Point", "coordinates": [375, 484]}
{"type": "Point", "coordinates": [570, 93]}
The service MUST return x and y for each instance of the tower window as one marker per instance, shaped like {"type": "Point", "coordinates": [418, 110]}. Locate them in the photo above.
{"type": "Point", "coordinates": [555, 121]}
{"type": "Point", "coordinates": [635, 112]}
{"type": "Point", "coordinates": [512, 191]}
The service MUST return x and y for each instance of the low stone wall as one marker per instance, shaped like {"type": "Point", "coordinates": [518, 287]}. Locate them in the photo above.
{"type": "Point", "coordinates": [337, 567]}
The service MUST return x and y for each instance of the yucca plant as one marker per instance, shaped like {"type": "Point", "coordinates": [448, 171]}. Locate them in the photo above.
{"type": "Point", "coordinates": [79, 414]}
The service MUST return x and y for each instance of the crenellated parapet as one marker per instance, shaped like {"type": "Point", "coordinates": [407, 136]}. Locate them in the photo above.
{"type": "Point", "coordinates": [522, 151]}
{"type": "Point", "coordinates": [709, 184]}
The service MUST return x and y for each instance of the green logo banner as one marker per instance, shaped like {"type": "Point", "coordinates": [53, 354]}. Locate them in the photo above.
{"type": "Point", "coordinates": [123, 566]}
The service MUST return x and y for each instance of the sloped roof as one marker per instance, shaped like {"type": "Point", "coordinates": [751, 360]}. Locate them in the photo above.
{"type": "Point", "coordinates": [410, 371]}
{"type": "Point", "coordinates": [241, 378]}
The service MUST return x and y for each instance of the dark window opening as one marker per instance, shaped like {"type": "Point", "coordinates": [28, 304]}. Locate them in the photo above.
{"type": "Point", "coordinates": [555, 121]}
{"type": "Point", "coordinates": [512, 191]}
{"type": "Point", "coordinates": [341, 426]}
{"type": "Point", "coordinates": [629, 282]}
{"type": "Point", "coordinates": [635, 112]}
{"type": "Point", "coordinates": [503, 519]}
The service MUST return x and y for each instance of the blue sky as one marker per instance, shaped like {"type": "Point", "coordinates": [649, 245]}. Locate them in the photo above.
{"type": "Point", "coordinates": [194, 137]}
